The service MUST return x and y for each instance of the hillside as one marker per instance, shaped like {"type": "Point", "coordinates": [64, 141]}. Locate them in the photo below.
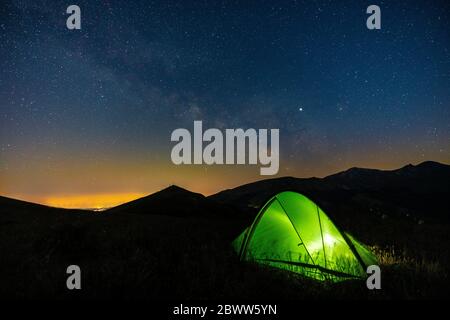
{"type": "Point", "coordinates": [412, 192]}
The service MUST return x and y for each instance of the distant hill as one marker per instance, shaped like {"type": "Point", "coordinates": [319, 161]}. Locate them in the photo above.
{"type": "Point", "coordinates": [17, 207]}
{"type": "Point", "coordinates": [419, 192]}
{"type": "Point", "coordinates": [427, 176]}
{"type": "Point", "coordinates": [173, 201]}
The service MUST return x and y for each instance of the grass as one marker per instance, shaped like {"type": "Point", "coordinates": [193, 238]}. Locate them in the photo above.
{"type": "Point", "coordinates": [161, 257]}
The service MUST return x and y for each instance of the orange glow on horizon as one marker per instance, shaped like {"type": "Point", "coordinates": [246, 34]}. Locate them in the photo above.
{"type": "Point", "coordinates": [91, 201]}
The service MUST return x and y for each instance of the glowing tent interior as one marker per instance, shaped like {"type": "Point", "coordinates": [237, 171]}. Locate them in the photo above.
{"type": "Point", "coordinates": [291, 232]}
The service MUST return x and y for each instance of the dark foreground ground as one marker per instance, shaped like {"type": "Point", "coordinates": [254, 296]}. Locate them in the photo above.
{"type": "Point", "coordinates": [167, 257]}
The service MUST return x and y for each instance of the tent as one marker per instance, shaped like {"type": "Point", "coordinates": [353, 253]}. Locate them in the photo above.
{"type": "Point", "coordinates": [292, 233]}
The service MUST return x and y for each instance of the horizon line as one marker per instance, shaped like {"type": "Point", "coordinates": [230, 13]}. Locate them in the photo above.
{"type": "Point", "coordinates": [132, 196]}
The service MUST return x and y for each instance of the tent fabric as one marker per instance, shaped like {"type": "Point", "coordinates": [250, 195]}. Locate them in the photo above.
{"type": "Point", "coordinates": [292, 233]}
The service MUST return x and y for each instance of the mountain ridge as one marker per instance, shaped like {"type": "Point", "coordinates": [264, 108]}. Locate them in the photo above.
{"type": "Point", "coordinates": [406, 189]}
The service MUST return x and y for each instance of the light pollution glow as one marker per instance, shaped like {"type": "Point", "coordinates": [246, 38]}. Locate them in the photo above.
{"type": "Point", "coordinates": [91, 201]}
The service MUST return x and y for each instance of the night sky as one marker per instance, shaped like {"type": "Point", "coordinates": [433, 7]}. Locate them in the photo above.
{"type": "Point", "coordinates": [86, 115]}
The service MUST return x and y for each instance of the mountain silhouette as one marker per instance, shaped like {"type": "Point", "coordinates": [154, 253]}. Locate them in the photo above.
{"type": "Point", "coordinates": [173, 201]}
{"type": "Point", "coordinates": [9, 206]}
{"type": "Point", "coordinates": [426, 176]}
{"type": "Point", "coordinates": [419, 191]}
{"type": "Point", "coordinates": [414, 191]}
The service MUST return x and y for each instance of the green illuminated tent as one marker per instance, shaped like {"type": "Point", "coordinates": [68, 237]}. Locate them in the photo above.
{"type": "Point", "coordinates": [291, 232]}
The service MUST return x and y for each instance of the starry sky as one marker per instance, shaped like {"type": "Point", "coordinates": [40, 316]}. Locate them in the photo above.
{"type": "Point", "coordinates": [86, 115]}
